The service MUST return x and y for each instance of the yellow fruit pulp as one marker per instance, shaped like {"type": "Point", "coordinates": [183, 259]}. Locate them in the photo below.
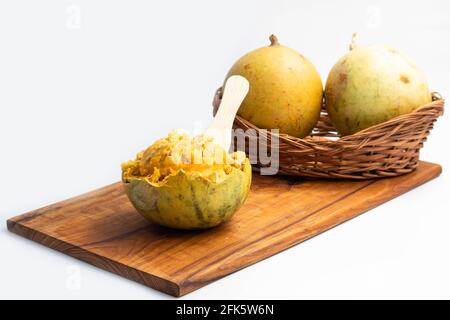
{"type": "Point", "coordinates": [187, 183]}
{"type": "Point", "coordinates": [198, 156]}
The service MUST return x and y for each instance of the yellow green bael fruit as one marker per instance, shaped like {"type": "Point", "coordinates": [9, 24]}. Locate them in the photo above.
{"type": "Point", "coordinates": [372, 84]}
{"type": "Point", "coordinates": [285, 89]}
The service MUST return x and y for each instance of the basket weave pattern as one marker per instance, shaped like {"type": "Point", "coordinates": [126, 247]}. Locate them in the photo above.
{"type": "Point", "coordinates": [384, 150]}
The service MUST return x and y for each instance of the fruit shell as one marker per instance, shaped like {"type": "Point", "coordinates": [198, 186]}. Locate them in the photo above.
{"type": "Point", "coordinates": [189, 201]}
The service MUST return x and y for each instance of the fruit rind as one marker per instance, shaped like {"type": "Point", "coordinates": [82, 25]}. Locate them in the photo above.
{"type": "Point", "coordinates": [187, 201]}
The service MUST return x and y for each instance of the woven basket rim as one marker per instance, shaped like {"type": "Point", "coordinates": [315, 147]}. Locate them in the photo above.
{"type": "Point", "coordinates": [346, 142]}
{"type": "Point", "coordinates": [387, 149]}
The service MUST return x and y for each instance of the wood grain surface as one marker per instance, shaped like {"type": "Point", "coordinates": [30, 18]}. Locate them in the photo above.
{"type": "Point", "coordinates": [103, 229]}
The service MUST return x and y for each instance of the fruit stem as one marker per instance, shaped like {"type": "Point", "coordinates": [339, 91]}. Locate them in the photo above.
{"type": "Point", "coordinates": [353, 43]}
{"type": "Point", "coordinates": [273, 40]}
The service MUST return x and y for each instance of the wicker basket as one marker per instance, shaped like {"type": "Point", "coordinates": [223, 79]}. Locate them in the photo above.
{"type": "Point", "coordinates": [384, 150]}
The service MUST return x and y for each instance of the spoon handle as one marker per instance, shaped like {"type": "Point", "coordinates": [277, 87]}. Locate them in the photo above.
{"type": "Point", "coordinates": [236, 88]}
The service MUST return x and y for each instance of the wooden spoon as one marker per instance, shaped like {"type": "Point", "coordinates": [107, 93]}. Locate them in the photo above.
{"type": "Point", "coordinates": [235, 90]}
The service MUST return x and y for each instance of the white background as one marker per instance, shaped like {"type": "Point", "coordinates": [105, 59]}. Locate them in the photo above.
{"type": "Point", "coordinates": [86, 84]}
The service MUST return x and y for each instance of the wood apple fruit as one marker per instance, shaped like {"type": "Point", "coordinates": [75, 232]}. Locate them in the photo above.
{"type": "Point", "coordinates": [285, 89]}
{"type": "Point", "coordinates": [372, 84]}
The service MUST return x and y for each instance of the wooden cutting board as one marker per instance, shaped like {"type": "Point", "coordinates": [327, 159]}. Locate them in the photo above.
{"type": "Point", "coordinates": [103, 229]}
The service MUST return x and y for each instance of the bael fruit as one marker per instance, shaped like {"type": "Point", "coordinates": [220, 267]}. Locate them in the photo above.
{"type": "Point", "coordinates": [285, 89]}
{"type": "Point", "coordinates": [372, 84]}
{"type": "Point", "coordinates": [187, 183]}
